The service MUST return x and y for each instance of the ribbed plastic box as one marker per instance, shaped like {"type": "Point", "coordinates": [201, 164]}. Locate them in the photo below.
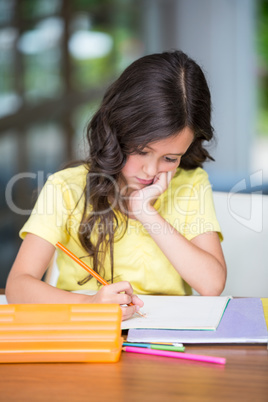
{"type": "Point", "coordinates": [60, 333]}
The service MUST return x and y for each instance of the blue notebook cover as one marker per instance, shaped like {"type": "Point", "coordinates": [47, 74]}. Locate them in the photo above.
{"type": "Point", "coordinates": [242, 322]}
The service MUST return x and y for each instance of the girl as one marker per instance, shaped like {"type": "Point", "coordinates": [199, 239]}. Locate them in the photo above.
{"type": "Point", "coordinates": [139, 210]}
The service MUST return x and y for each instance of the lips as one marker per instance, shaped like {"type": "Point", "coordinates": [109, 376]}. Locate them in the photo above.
{"type": "Point", "coordinates": [145, 182]}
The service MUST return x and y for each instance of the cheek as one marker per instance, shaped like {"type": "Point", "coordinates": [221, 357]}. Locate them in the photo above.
{"type": "Point", "coordinates": [131, 166]}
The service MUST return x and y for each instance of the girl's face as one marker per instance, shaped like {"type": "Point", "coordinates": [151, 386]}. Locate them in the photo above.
{"type": "Point", "coordinates": [157, 157]}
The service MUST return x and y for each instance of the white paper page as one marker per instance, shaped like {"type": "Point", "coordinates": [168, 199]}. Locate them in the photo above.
{"type": "Point", "coordinates": [179, 312]}
{"type": "Point", "coordinates": [3, 299]}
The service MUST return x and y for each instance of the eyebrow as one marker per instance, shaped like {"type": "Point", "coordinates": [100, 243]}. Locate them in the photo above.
{"type": "Point", "coordinates": [175, 154]}
{"type": "Point", "coordinates": [169, 153]}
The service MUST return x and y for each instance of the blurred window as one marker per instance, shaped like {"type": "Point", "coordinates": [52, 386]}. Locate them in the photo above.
{"type": "Point", "coordinates": [58, 56]}
{"type": "Point", "coordinates": [56, 59]}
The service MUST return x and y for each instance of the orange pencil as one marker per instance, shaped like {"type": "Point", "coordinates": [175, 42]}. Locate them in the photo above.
{"type": "Point", "coordinates": [87, 268]}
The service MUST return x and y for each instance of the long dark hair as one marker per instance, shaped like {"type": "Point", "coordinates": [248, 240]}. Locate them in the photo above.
{"type": "Point", "coordinates": [154, 98]}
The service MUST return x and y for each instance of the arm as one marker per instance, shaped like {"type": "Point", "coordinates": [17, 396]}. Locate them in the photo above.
{"type": "Point", "coordinates": [24, 284]}
{"type": "Point", "coordinates": [200, 262]}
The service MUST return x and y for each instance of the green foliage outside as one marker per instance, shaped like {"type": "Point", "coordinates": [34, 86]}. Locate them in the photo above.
{"type": "Point", "coordinates": [262, 51]}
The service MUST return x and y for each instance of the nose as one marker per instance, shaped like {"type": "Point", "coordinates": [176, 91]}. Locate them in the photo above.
{"type": "Point", "coordinates": [150, 168]}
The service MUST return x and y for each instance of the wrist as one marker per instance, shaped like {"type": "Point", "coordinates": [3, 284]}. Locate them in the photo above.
{"type": "Point", "coordinates": [146, 214]}
{"type": "Point", "coordinates": [84, 298]}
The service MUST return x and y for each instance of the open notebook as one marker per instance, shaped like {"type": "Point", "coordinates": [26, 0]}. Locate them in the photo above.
{"type": "Point", "coordinates": [243, 322]}
{"type": "Point", "coordinates": [179, 312]}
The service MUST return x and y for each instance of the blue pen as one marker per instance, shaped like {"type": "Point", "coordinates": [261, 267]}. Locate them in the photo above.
{"type": "Point", "coordinates": [157, 346]}
{"type": "Point", "coordinates": [139, 345]}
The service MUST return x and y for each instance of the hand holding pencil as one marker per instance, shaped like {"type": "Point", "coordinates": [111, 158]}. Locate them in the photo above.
{"type": "Point", "coordinates": [118, 293]}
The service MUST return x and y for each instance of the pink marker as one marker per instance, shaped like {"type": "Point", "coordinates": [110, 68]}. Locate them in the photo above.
{"type": "Point", "coordinates": [178, 355]}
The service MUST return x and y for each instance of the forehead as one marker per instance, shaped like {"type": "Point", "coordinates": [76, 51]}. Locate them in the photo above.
{"type": "Point", "coordinates": [178, 143]}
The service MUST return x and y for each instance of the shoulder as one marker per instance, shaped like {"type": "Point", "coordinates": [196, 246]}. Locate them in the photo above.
{"type": "Point", "coordinates": [185, 186]}
{"type": "Point", "coordinates": [187, 182]}
{"type": "Point", "coordinates": [193, 176]}
{"type": "Point", "coordinates": [74, 176]}
{"type": "Point", "coordinates": [65, 186]}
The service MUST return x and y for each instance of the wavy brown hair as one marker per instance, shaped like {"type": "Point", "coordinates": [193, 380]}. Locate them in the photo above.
{"type": "Point", "coordinates": [154, 98]}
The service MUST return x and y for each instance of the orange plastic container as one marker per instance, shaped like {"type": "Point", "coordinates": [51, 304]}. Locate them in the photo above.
{"type": "Point", "coordinates": [60, 333]}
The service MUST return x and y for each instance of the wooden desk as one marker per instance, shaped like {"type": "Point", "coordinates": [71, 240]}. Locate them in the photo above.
{"type": "Point", "coordinates": [138, 378]}
{"type": "Point", "coordinates": [143, 378]}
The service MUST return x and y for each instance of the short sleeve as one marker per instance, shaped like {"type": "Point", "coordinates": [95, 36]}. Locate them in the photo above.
{"type": "Point", "coordinates": [201, 215]}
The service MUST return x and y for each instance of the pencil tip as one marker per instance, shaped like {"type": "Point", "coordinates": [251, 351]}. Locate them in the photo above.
{"type": "Point", "coordinates": [141, 314]}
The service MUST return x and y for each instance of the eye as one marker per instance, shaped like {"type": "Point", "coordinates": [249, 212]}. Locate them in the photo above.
{"type": "Point", "coordinates": [171, 160]}
{"type": "Point", "coordinates": [141, 153]}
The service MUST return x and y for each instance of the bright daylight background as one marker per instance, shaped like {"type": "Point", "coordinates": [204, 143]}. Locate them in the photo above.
{"type": "Point", "coordinates": [57, 57]}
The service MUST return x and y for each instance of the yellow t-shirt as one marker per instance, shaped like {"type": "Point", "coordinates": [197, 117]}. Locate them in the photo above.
{"type": "Point", "coordinates": [187, 205]}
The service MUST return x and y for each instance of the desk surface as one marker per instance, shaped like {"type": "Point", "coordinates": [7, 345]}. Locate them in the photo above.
{"type": "Point", "coordinates": [139, 378]}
